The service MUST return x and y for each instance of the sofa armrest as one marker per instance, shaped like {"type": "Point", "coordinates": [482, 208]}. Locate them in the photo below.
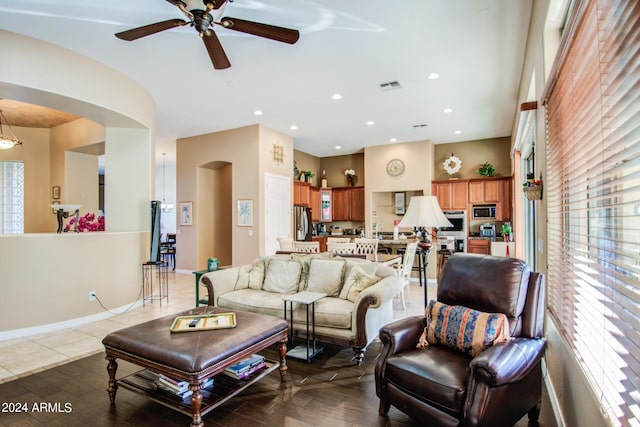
{"type": "Point", "coordinates": [219, 282]}
{"type": "Point", "coordinates": [507, 362]}
{"type": "Point", "coordinates": [382, 291]}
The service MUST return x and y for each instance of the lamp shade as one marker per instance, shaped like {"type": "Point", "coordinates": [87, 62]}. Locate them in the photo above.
{"type": "Point", "coordinates": [424, 211]}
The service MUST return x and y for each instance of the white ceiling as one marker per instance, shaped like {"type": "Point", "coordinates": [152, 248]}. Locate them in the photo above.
{"type": "Point", "coordinates": [346, 46]}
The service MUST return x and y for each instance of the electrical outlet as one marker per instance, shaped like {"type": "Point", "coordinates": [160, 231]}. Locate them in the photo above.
{"type": "Point", "coordinates": [92, 295]}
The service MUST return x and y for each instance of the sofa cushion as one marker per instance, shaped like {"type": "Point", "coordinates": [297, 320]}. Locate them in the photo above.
{"type": "Point", "coordinates": [357, 280]}
{"type": "Point", "coordinates": [325, 276]}
{"type": "Point", "coordinates": [330, 312]}
{"type": "Point", "coordinates": [462, 328]}
{"type": "Point", "coordinates": [254, 301]}
{"type": "Point", "coordinates": [250, 276]}
{"type": "Point", "coordinates": [282, 276]}
{"type": "Point", "coordinates": [305, 261]}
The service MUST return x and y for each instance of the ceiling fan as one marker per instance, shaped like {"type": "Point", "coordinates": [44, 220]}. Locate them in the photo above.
{"type": "Point", "coordinates": [203, 21]}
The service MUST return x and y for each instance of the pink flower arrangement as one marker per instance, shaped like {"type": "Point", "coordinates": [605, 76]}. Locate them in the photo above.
{"type": "Point", "coordinates": [87, 222]}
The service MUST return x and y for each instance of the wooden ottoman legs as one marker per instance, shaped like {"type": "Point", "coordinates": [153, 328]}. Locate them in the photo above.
{"type": "Point", "coordinates": [282, 349]}
{"type": "Point", "coordinates": [112, 367]}
{"type": "Point", "coordinates": [196, 403]}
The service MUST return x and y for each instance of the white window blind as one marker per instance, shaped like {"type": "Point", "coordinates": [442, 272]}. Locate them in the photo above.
{"type": "Point", "coordinates": [12, 197]}
{"type": "Point", "coordinates": [593, 199]}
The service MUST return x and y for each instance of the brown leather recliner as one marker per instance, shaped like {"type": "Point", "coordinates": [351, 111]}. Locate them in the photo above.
{"type": "Point", "coordinates": [439, 386]}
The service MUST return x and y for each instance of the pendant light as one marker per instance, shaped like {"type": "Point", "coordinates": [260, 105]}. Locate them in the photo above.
{"type": "Point", "coordinates": [7, 142]}
{"type": "Point", "coordinates": [165, 206]}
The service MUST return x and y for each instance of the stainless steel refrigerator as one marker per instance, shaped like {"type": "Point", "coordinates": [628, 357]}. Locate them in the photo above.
{"type": "Point", "coordinates": [301, 223]}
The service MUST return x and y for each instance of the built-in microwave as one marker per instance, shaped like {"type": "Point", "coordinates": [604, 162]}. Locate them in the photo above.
{"type": "Point", "coordinates": [484, 212]}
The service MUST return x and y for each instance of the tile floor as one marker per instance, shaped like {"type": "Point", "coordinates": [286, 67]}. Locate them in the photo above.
{"type": "Point", "coordinates": [23, 356]}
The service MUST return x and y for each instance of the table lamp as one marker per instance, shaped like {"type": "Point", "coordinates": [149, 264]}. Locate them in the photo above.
{"type": "Point", "coordinates": [424, 211]}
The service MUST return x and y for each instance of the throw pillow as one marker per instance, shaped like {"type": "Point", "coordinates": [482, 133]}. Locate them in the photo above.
{"type": "Point", "coordinates": [369, 268]}
{"type": "Point", "coordinates": [325, 276]}
{"type": "Point", "coordinates": [464, 329]}
{"type": "Point", "coordinates": [282, 276]}
{"type": "Point", "coordinates": [250, 276]}
{"type": "Point", "coordinates": [305, 261]}
{"type": "Point", "coordinates": [357, 280]}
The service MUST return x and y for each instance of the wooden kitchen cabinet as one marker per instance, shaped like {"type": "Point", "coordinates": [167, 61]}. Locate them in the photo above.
{"type": "Point", "coordinates": [348, 204]}
{"type": "Point", "coordinates": [504, 210]}
{"type": "Point", "coordinates": [341, 204]}
{"type": "Point", "coordinates": [451, 195]}
{"type": "Point", "coordinates": [487, 190]}
{"type": "Point", "coordinates": [314, 204]}
{"type": "Point", "coordinates": [479, 246]}
{"type": "Point", "coordinates": [301, 193]}
{"type": "Point", "coordinates": [356, 212]}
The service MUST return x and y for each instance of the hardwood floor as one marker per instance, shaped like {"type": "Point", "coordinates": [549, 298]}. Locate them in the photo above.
{"type": "Point", "coordinates": [331, 391]}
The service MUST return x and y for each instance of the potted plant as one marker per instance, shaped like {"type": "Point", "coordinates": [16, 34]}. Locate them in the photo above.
{"type": "Point", "coordinates": [212, 264]}
{"type": "Point", "coordinates": [308, 175]}
{"type": "Point", "coordinates": [487, 169]}
{"type": "Point", "coordinates": [506, 231]}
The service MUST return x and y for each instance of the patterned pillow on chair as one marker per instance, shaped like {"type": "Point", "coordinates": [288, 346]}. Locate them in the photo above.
{"type": "Point", "coordinates": [464, 329]}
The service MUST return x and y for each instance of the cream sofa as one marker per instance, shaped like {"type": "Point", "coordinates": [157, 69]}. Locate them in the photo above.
{"type": "Point", "coordinates": [358, 302]}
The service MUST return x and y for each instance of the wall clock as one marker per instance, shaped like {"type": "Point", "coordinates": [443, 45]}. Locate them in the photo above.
{"type": "Point", "coordinates": [395, 167]}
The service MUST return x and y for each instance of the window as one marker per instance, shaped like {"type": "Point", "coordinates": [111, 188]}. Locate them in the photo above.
{"type": "Point", "coordinates": [12, 186]}
{"type": "Point", "coordinates": [593, 199]}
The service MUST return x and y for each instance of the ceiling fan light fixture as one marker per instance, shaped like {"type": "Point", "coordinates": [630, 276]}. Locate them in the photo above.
{"type": "Point", "coordinates": [7, 142]}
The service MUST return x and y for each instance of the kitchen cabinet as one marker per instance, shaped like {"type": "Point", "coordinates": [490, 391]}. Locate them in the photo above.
{"type": "Point", "coordinates": [301, 193]}
{"type": "Point", "coordinates": [315, 204]}
{"type": "Point", "coordinates": [479, 246]}
{"type": "Point", "coordinates": [341, 204]}
{"type": "Point", "coordinates": [504, 210]}
{"type": "Point", "coordinates": [486, 190]}
{"type": "Point", "coordinates": [348, 204]}
{"type": "Point", "coordinates": [357, 204]}
{"type": "Point", "coordinates": [451, 195]}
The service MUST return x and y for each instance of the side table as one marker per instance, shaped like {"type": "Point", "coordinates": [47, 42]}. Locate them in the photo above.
{"type": "Point", "coordinates": [160, 268]}
{"type": "Point", "coordinates": [310, 350]}
{"type": "Point", "coordinates": [199, 274]}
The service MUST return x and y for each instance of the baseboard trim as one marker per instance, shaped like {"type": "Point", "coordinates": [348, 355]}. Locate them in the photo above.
{"type": "Point", "coordinates": [72, 323]}
{"type": "Point", "coordinates": [553, 398]}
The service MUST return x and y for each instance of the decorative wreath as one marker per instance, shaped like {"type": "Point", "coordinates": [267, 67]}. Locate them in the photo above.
{"type": "Point", "coordinates": [452, 165]}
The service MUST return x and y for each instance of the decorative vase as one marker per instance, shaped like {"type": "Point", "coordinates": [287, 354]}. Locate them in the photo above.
{"type": "Point", "coordinates": [212, 265]}
{"type": "Point", "coordinates": [351, 180]}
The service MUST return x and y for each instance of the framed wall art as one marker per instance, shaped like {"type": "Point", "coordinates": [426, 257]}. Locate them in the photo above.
{"type": "Point", "coordinates": [245, 212]}
{"type": "Point", "coordinates": [186, 213]}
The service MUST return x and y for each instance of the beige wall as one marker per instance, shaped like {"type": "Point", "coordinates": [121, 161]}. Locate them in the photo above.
{"type": "Point", "coordinates": [46, 278]}
{"type": "Point", "coordinates": [249, 151]}
{"type": "Point", "coordinates": [308, 162]}
{"type": "Point", "coordinates": [473, 154]}
{"type": "Point", "coordinates": [335, 166]}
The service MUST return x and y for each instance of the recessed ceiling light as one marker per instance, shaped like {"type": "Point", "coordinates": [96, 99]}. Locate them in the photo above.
{"type": "Point", "coordinates": [371, 123]}
{"type": "Point", "coordinates": [458, 132]}
{"type": "Point", "coordinates": [336, 96]}
{"type": "Point", "coordinates": [433, 76]}
{"type": "Point", "coordinates": [257, 113]}
{"type": "Point", "coordinates": [293, 127]}
{"type": "Point", "coordinates": [447, 110]}
{"type": "Point", "coordinates": [393, 140]}
{"type": "Point", "coordinates": [338, 147]}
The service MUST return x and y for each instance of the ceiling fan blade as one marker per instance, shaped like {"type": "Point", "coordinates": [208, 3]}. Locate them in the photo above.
{"type": "Point", "coordinates": [280, 34]}
{"type": "Point", "coordinates": [177, 3]}
{"type": "Point", "coordinates": [216, 52]}
{"type": "Point", "coordinates": [147, 30]}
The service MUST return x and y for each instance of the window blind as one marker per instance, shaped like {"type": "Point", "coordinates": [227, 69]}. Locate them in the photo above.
{"type": "Point", "coordinates": [593, 199]}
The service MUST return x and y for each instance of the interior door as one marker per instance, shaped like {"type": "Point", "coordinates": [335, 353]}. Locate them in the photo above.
{"type": "Point", "coordinates": [277, 211]}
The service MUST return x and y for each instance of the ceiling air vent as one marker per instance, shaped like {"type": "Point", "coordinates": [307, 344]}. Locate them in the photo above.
{"type": "Point", "coordinates": [390, 85]}
{"type": "Point", "coordinates": [421, 125]}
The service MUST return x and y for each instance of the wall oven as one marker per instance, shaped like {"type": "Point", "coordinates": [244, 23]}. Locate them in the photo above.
{"type": "Point", "coordinates": [458, 232]}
